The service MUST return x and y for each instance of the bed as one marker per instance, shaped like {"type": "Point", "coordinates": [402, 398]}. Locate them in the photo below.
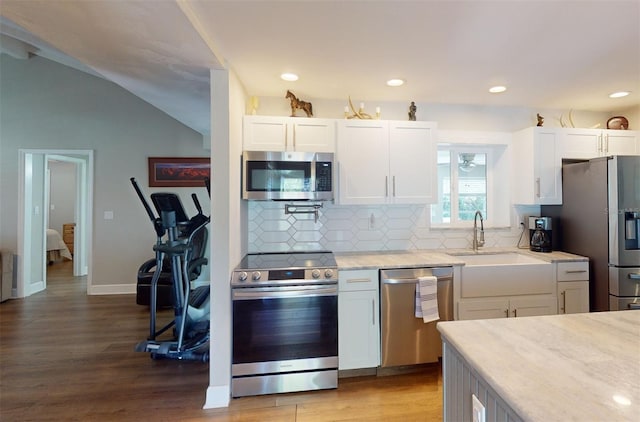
{"type": "Point", "coordinates": [57, 250]}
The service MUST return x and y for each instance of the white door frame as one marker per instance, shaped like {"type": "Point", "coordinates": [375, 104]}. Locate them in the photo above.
{"type": "Point", "coordinates": [84, 211]}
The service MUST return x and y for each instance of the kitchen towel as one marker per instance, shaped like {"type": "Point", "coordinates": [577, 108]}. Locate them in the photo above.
{"type": "Point", "coordinates": [426, 306]}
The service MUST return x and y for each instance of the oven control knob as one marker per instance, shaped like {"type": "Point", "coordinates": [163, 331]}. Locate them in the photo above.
{"type": "Point", "coordinates": [242, 276]}
{"type": "Point", "coordinates": [256, 275]}
{"type": "Point", "coordinates": [328, 273]}
{"type": "Point", "coordinates": [315, 274]}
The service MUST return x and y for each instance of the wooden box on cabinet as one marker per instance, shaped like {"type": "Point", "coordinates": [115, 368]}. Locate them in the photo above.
{"type": "Point", "coordinates": [68, 234]}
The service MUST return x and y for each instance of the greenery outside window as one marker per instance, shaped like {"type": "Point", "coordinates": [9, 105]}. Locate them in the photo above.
{"type": "Point", "coordinates": [463, 185]}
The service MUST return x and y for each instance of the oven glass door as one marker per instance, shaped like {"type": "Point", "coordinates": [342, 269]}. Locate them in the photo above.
{"type": "Point", "coordinates": [277, 326]}
{"type": "Point", "coordinates": [279, 176]}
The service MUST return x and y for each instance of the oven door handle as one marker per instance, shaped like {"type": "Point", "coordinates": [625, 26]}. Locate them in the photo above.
{"type": "Point", "coordinates": [283, 292]}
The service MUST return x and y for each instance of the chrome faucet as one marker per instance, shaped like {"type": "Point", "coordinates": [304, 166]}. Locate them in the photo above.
{"type": "Point", "coordinates": [477, 243]}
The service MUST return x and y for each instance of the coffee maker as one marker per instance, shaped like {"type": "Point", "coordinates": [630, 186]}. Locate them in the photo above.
{"type": "Point", "coordinates": [540, 234]}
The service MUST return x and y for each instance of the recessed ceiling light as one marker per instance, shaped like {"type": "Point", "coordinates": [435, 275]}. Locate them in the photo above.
{"type": "Point", "coordinates": [619, 94]}
{"type": "Point", "coordinates": [291, 77]}
{"type": "Point", "coordinates": [497, 89]}
{"type": "Point", "coordinates": [395, 82]}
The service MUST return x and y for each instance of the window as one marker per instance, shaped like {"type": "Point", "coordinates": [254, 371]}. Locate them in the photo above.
{"type": "Point", "coordinates": [463, 185]}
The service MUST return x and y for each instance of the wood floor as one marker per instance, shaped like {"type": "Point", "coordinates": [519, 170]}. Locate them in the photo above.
{"type": "Point", "coordinates": [66, 356]}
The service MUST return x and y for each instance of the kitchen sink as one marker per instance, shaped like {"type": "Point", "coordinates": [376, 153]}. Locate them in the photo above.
{"type": "Point", "coordinates": [508, 258]}
{"type": "Point", "coordinates": [504, 274]}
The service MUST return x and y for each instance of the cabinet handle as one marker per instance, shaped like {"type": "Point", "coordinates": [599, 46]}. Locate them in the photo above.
{"type": "Point", "coordinates": [599, 143]}
{"type": "Point", "coordinates": [538, 187]}
{"type": "Point", "coordinates": [394, 186]}
{"type": "Point", "coordinates": [515, 312]}
{"type": "Point", "coordinates": [386, 185]}
{"type": "Point", "coordinates": [564, 302]}
{"type": "Point", "coordinates": [506, 313]}
{"type": "Point", "coordinates": [575, 271]}
{"type": "Point", "coordinates": [286, 136]}
{"type": "Point", "coordinates": [373, 312]}
{"type": "Point", "coordinates": [358, 280]}
{"type": "Point", "coordinates": [294, 137]}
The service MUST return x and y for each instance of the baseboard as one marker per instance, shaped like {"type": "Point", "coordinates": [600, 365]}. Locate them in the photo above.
{"type": "Point", "coordinates": [217, 396]}
{"type": "Point", "coordinates": [112, 289]}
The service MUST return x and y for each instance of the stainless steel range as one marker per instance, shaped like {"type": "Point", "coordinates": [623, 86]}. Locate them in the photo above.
{"type": "Point", "coordinates": [285, 323]}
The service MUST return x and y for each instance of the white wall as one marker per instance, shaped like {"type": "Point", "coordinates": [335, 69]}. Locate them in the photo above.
{"type": "Point", "coordinates": [46, 105]}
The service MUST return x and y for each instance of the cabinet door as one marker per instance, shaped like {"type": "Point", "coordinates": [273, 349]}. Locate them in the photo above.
{"type": "Point", "coordinates": [483, 309]}
{"type": "Point", "coordinates": [573, 297]}
{"type": "Point", "coordinates": [532, 306]}
{"type": "Point", "coordinates": [264, 133]}
{"type": "Point", "coordinates": [581, 143]}
{"type": "Point", "coordinates": [621, 142]}
{"type": "Point", "coordinates": [537, 167]}
{"type": "Point", "coordinates": [412, 163]}
{"type": "Point", "coordinates": [312, 135]}
{"type": "Point", "coordinates": [358, 330]}
{"type": "Point", "coordinates": [548, 169]}
{"type": "Point", "coordinates": [363, 161]}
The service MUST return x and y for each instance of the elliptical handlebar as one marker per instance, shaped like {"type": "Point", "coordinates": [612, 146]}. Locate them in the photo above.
{"type": "Point", "coordinates": [157, 223]}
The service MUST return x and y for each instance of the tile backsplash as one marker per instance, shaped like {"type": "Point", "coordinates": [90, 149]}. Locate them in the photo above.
{"type": "Point", "coordinates": [341, 228]}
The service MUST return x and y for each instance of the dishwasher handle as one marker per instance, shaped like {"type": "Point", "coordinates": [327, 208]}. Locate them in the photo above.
{"type": "Point", "coordinates": [411, 280]}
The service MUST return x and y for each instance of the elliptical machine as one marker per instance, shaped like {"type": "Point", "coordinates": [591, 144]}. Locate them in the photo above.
{"type": "Point", "coordinates": [175, 241]}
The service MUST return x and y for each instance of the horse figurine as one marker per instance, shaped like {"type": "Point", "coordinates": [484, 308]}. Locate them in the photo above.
{"type": "Point", "coordinates": [296, 103]}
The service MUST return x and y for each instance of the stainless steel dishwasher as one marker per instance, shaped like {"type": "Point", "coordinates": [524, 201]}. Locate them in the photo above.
{"type": "Point", "coordinates": [407, 340]}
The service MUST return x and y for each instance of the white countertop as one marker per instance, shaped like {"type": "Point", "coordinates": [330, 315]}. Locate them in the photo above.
{"type": "Point", "coordinates": [558, 367]}
{"type": "Point", "coordinates": [432, 258]}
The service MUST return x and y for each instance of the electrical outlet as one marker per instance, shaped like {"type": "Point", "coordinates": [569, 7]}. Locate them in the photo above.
{"type": "Point", "coordinates": [477, 410]}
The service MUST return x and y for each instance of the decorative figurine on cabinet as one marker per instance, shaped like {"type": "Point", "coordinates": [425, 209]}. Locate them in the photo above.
{"type": "Point", "coordinates": [412, 111]}
{"type": "Point", "coordinates": [540, 119]}
{"type": "Point", "coordinates": [296, 103]}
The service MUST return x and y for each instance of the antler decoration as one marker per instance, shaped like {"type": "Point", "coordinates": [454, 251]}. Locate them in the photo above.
{"type": "Point", "coordinates": [357, 113]}
{"type": "Point", "coordinates": [563, 124]}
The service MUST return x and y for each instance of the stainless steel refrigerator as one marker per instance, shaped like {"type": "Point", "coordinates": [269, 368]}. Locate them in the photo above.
{"type": "Point", "coordinates": [600, 218]}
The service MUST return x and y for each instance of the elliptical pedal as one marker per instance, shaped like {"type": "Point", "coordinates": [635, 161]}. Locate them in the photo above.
{"type": "Point", "coordinates": [199, 295]}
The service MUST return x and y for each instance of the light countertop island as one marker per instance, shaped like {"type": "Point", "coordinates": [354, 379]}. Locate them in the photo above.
{"type": "Point", "coordinates": [433, 257]}
{"type": "Point", "coordinates": [579, 367]}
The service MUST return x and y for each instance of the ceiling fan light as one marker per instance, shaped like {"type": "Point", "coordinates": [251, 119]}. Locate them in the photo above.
{"type": "Point", "coordinates": [395, 82]}
{"type": "Point", "coordinates": [497, 89]}
{"type": "Point", "coordinates": [619, 94]}
{"type": "Point", "coordinates": [290, 77]}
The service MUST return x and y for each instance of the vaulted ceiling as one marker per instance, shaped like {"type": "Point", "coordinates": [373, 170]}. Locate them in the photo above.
{"type": "Point", "coordinates": [550, 54]}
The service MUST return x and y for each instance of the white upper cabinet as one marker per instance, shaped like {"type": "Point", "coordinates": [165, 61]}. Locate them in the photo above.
{"type": "Point", "coordinates": [591, 143]}
{"type": "Point", "coordinates": [536, 167]}
{"type": "Point", "coordinates": [273, 133]}
{"type": "Point", "coordinates": [386, 162]}
{"type": "Point", "coordinates": [413, 160]}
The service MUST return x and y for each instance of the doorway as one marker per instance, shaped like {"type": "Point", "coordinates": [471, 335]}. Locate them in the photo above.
{"type": "Point", "coordinates": [33, 216]}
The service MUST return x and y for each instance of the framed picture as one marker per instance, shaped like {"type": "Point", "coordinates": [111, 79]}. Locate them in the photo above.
{"type": "Point", "coordinates": [179, 171]}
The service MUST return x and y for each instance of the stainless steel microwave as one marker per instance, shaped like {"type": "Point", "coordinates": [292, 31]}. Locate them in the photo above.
{"type": "Point", "coordinates": [287, 175]}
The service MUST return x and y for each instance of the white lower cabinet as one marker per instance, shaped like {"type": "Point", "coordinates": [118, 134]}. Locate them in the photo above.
{"type": "Point", "coordinates": [508, 307]}
{"type": "Point", "coordinates": [573, 297]}
{"type": "Point", "coordinates": [573, 287]}
{"type": "Point", "coordinates": [358, 319]}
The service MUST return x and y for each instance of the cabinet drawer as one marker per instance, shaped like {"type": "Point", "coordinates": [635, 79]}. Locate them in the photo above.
{"type": "Point", "coordinates": [353, 280]}
{"type": "Point", "coordinates": [571, 271]}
